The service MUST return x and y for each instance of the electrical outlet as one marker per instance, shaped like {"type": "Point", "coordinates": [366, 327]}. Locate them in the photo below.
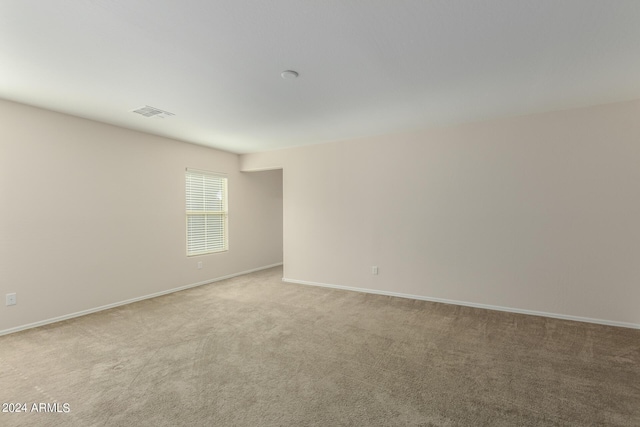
{"type": "Point", "coordinates": [374, 270]}
{"type": "Point", "coordinates": [11, 299]}
{"type": "Point", "coordinates": [199, 265]}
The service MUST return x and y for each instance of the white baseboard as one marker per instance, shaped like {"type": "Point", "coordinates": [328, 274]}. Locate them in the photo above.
{"type": "Point", "coordinates": [470, 304]}
{"type": "Point", "coordinates": [129, 301]}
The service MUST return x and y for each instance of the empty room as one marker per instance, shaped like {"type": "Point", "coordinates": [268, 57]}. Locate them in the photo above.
{"type": "Point", "coordinates": [320, 213]}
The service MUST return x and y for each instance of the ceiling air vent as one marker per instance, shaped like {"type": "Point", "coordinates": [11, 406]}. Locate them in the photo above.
{"type": "Point", "coordinates": [152, 112]}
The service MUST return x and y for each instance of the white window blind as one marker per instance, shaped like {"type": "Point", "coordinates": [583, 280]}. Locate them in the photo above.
{"type": "Point", "coordinates": [206, 212]}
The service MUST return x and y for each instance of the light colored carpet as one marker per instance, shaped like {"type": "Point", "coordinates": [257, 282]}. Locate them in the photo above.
{"type": "Point", "coordinates": [253, 351]}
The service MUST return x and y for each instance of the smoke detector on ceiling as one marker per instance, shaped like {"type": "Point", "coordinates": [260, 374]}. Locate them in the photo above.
{"type": "Point", "coordinates": [289, 74]}
{"type": "Point", "coordinates": [152, 112]}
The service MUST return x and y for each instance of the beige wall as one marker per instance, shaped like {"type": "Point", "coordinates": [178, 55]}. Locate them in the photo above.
{"type": "Point", "coordinates": [92, 215]}
{"type": "Point", "coordinates": [537, 213]}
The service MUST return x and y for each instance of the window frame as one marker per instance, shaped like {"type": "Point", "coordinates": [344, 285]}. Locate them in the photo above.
{"type": "Point", "coordinates": [224, 213]}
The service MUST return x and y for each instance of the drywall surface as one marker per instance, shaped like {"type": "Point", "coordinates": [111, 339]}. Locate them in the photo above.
{"type": "Point", "coordinates": [538, 213]}
{"type": "Point", "coordinates": [92, 214]}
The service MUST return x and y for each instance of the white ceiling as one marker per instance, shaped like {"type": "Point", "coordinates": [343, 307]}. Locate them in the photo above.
{"type": "Point", "coordinates": [366, 67]}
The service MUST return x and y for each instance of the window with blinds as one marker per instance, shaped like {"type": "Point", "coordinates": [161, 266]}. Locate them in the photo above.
{"type": "Point", "coordinates": [206, 212]}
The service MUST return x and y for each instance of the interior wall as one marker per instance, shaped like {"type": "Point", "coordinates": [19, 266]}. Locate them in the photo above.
{"type": "Point", "coordinates": [93, 214]}
{"type": "Point", "coordinates": [538, 213]}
